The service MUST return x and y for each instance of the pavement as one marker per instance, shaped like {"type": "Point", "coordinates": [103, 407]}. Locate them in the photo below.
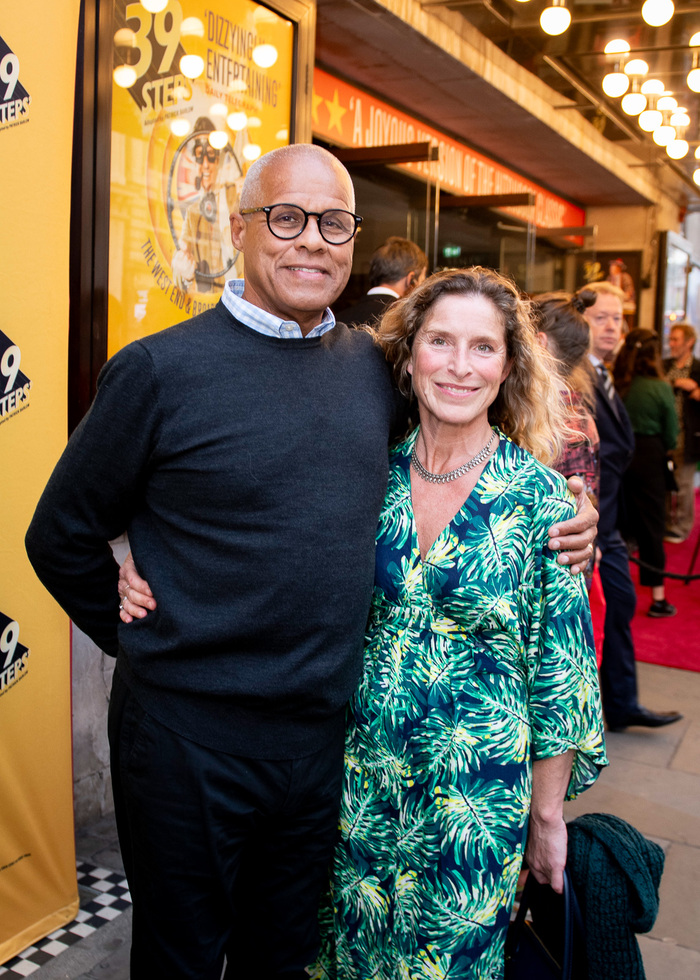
{"type": "Point", "coordinates": [653, 782]}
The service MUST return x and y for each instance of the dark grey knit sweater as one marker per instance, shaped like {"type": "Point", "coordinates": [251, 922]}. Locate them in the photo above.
{"type": "Point", "coordinates": [249, 473]}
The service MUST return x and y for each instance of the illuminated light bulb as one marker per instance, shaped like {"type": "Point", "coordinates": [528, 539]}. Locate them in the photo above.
{"type": "Point", "coordinates": [663, 135]}
{"type": "Point", "coordinates": [633, 103]}
{"type": "Point", "coordinates": [696, 176]}
{"type": "Point", "coordinates": [616, 46]}
{"type": "Point", "coordinates": [218, 139]}
{"type": "Point", "coordinates": [555, 19]}
{"type": "Point", "coordinates": [254, 122]}
{"type": "Point", "coordinates": [667, 102]}
{"type": "Point", "coordinates": [693, 80]}
{"type": "Point", "coordinates": [636, 67]}
{"type": "Point", "coordinates": [697, 153]}
{"type": "Point", "coordinates": [236, 121]}
{"type": "Point", "coordinates": [653, 86]}
{"type": "Point", "coordinates": [680, 119]}
{"type": "Point", "coordinates": [192, 27]}
{"type": "Point", "coordinates": [191, 65]}
{"type": "Point", "coordinates": [264, 55]}
{"type": "Point", "coordinates": [125, 38]}
{"type": "Point", "coordinates": [657, 12]}
{"type": "Point", "coordinates": [695, 40]}
{"type": "Point", "coordinates": [154, 6]}
{"type": "Point", "coordinates": [251, 151]}
{"type": "Point", "coordinates": [677, 149]}
{"type": "Point", "coordinates": [124, 76]}
{"type": "Point", "coordinates": [180, 127]}
{"type": "Point", "coordinates": [650, 119]}
{"type": "Point", "coordinates": [218, 109]}
{"type": "Point", "coordinates": [615, 84]}
{"type": "Point", "coordinates": [283, 134]}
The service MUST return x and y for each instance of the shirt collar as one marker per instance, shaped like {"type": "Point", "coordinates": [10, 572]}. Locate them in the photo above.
{"type": "Point", "coordinates": [267, 323]}
{"type": "Point", "coordinates": [383, 291]}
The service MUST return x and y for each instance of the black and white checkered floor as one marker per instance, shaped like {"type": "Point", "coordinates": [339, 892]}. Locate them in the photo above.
{"type": "Point", "coordinates": [103, 896]}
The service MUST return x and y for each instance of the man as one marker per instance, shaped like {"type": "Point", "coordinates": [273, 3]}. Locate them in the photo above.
{"type": "Point", "coordinates": [205, 254]}
{"type": "Point", "coordinates": [397, 267]}
{"type": "Point", "coordinates": [248, 464]}
{"type": "Point", "coordinates": [618, 670]}
{"type": "Point", "coordinates": [683, 374]}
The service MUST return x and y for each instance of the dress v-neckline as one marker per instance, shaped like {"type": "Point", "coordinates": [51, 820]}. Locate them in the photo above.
{"type": "Point", "coordinates": [423, 559]}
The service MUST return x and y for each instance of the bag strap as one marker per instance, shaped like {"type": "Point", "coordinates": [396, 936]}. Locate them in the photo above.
{"type": "Point", "coordinates": [572, 914]}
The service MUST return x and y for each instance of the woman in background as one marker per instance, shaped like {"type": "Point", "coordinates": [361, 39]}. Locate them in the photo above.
{"type": "Point", "coordinates": [649, 400]}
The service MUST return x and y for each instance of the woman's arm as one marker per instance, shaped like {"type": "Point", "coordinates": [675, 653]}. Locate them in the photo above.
{"type": "Point", "coordinates": [546, 838]}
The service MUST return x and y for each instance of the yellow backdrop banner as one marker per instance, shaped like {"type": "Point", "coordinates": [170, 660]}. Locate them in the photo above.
{"type": "Point", "coordinates": [38, 889]}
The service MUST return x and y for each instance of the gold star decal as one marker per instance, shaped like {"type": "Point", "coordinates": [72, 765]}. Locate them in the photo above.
{"type": "Point", "coordinates": [316, 101]}
{"type": "Point", "coordinates": [335, 112]}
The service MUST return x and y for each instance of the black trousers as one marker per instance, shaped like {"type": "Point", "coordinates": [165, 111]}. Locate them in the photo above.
{"type": "Point", "coordinates": [644, 486]}
{"type": "Point", "coordinates": [618, 672]}
{"type": "Point", "coordinates": [225, 856]}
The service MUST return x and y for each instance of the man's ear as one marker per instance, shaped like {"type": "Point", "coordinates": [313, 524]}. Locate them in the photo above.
{"type": "Point", "coordinates": [238, 230]}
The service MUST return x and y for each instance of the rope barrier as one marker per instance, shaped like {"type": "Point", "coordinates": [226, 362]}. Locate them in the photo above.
{"type": "Point", "coordinates": [663, 573]}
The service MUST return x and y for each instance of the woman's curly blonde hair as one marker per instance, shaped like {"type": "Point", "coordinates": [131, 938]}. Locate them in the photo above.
{"type": "Point", "coordinates": [529, 406]}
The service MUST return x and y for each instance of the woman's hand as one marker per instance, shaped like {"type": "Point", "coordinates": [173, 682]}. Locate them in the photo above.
{"type": "Point", "coordinates": [546, 852]}
{"type": "Point", "coordinates": [546, 835]}
{"type": "Point", "coordinates": [574, 538]}
{"type": "Point", "coordinates": [135, 596]}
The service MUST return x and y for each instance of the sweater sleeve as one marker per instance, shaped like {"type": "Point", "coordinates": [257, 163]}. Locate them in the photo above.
{"type": "Point", "coordinates": [92, 495]}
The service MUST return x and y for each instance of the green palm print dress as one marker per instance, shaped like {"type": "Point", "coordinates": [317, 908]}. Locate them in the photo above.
{"type": "Point", "coordinates": [478, 659]}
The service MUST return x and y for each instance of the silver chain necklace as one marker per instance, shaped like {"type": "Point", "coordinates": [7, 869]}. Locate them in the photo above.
{"type": "Point", "coordinates": [453, 474]}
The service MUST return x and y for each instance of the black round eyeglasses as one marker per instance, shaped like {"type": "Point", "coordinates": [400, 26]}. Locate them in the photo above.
{"type": "Point", "coordinates": [289, 220]}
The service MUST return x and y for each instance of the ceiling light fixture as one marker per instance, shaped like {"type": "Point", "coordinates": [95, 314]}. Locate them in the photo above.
{"type": "Point", "coordinates": [664, 133]}
{"type": "Point", "coordinates": [615, 84]}
{"type": "Point", "coordinates": [677, 149]}
{"type": "Point", "coordinates": [657, 12]}
{"type": "Point", "coordinates": [650, 119]}
{"type": "Point", "coordinates": [556, 18]}
{"type": "Point", "coordinates": [616, 46]}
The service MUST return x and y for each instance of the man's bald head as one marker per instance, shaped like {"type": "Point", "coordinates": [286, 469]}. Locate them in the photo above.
{"type": "Point", "coordinates": [295, 152]}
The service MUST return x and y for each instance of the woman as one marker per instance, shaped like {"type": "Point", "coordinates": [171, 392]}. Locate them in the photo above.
{"type": "Point", "coordinates": [478, 657]}
{"type": "Point", "coordinates": [649, 400]}
{"type": "Point", "coordinates": [565, 333]}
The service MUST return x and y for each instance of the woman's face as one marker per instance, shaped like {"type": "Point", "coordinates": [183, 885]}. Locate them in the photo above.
{"type": "Point", "coordinates": [459, 361]}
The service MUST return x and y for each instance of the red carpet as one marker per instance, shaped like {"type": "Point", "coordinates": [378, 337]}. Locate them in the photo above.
{"type": "Point", "coordinates": [671, 642]}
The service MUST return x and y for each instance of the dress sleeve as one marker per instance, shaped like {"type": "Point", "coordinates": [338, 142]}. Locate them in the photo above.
{"type": "Point", "coordinates": [564, 695]}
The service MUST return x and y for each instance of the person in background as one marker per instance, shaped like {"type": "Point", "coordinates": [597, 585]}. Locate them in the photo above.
{"type": "Point", "coordinates": [682, 372]}
{"type": "Point", "coordinates": [248, 467]}
{"type": "Point", "coordinates": [650, 405]}
{"type": "Point", "coordinates": [618, 672]}
{"type": "Point", "coordinates": [397, 267]}
{"type": "Point", "coordinates": [565, 332]}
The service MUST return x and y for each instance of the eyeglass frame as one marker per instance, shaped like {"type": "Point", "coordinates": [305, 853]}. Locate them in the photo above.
{"type": "Point", "coordinates": [209, 153]}
{"type": "Point", "coordinates": [266, 208]}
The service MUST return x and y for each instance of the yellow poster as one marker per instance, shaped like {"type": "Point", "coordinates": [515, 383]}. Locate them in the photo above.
{"type": "Point", "coordinates": [38, 890]}
{"type": "Point", "coordinates": [200, 90]}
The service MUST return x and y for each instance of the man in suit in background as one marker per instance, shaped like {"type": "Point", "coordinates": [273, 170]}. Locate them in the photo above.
{"type": "Point", "coordinates": [618, 671]}
{"type": "Point", "coordinates": [397, 267]}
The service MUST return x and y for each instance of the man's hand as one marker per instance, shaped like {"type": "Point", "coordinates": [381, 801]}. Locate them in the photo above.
{"type": "Point", "coordinates": [135, 596]}
{"type": "Point", "coordinates": [574, 538]}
